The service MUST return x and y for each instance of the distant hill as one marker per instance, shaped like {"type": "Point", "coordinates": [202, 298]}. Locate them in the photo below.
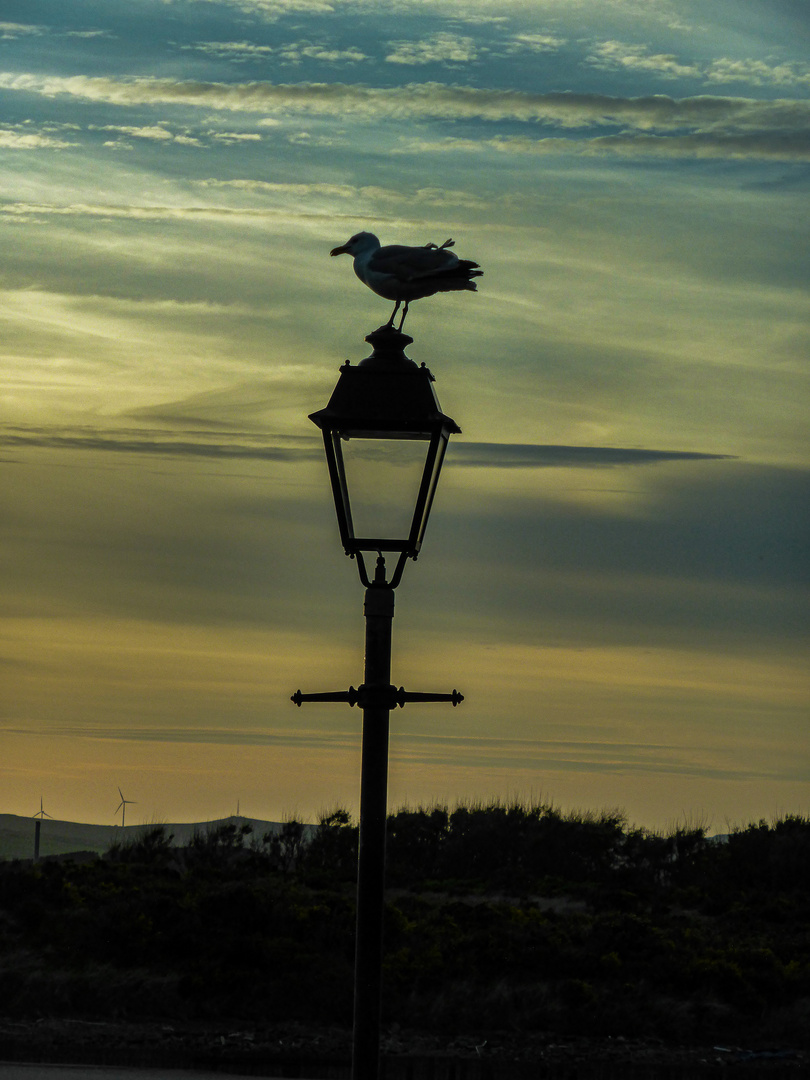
{"type": "Point", "coordinates": [65, 837]}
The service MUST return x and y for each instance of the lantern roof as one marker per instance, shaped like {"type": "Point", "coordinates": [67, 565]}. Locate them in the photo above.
{"type": "Point", "coordinates": [385, 394]}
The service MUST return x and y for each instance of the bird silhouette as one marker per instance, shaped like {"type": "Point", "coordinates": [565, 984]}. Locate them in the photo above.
{"type": "Point", "coordinates": [404, 274]}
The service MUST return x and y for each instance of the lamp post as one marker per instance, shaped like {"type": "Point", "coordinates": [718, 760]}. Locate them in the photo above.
{"type": "Point", "coordinates": [383, 430]}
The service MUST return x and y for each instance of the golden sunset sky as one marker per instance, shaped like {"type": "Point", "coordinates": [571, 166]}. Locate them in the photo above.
{"type": "Point", "coordinates": [615, 572]}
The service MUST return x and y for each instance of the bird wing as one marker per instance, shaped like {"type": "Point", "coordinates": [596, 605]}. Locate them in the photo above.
{"type": "Point", "coordinates": [411, 263]}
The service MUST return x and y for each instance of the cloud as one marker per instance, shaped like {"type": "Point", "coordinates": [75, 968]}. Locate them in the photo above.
{"type": "Point", "coordinates": [275, 9]}
{"type": "Point", "coordinates": [439, 48]}
{"type": "Point", "coordinates": [155, 132]}
{"type": "Point", "coordinates": [469, 454]}
{"type": "Point", "coordinates": [539, 43]}
{"type": "Point", "coordinates": [10, 30]}
{"type": "Point", "coordinates": [534, 456]}
{"type": "Point", "coordinates": [160, 133]}
{"type": "Point", "coordinates": [230, 50]}
{"type": "Point", "coordinates": [286, 449]}
{"type": "Point", "coordinates": [751, 146]}
{"type": "Point", "coordinates": [294, 52]}
{"type": "Point", "coordinates": [197, 734]}
{"type": "Point", "coordinates": [709, 552]}
{"type": "Point", "coordinates": [297, 52]}
{"type": "Point", "coordinates": [110, 211]}
{"type": "Point", "coordinates": [431, 100]}
{"type": "Point", "coordinates": [758, 73]}
{"type": "Point", "coordinates": [619, 55]}
{"type": "Point", "coordinates": [14, 138]}
{"type": "Point", "coordinates": [365, 195]}
{"type": "Point", "coordinates": [267, 187]}
{"type": "Point", "coordinates": [660, 11]}
{"type": "Point", "coordinates": [89, 34]}
{"type": "Point", "coordinates": [231, 137]}
{"type": "Point", "coordinates": [581, 756]}
{"type": "Point", "coordinates": [609, 55]}
{"type": "Point", "coordinates": [475, 751]}
{"type": "Point", "coordinates": [306, 138]}
{"type": "Point", "coordinates": [472, 11]}
{"type": "Point", "coordinates": [733, 522]}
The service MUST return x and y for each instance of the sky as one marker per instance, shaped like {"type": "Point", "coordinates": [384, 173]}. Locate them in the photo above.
{"type": "Point", "coordinates": [615, 571]}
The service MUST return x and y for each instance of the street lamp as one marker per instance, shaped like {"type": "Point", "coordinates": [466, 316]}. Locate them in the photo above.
{"type": "Point", "coordinates": [384, 432]}
{"type": "Point", "coordinates": [385, 438]}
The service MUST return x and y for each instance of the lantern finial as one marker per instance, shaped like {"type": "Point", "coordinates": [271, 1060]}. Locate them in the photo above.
{"type": "Point", "coordinates": [389, 349]}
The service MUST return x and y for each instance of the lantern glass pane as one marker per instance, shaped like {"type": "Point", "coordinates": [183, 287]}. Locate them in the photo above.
{"type": "Point", "coordinates": [383, 477]}
{"type": "Point", "coordinates": [430, 483]}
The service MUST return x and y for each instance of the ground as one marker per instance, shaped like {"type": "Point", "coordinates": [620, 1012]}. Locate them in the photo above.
{"type": "Point", "coordinates": [294, 1050]}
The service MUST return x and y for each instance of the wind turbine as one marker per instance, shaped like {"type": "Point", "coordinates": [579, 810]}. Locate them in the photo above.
{"type": "Point", "coordinates": [122, 806]}
{"type": "Point", "coordinates": [38, 827]}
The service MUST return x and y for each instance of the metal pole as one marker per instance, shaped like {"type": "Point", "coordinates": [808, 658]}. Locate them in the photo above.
{"type": "Point", "coordinates": [379, 613]}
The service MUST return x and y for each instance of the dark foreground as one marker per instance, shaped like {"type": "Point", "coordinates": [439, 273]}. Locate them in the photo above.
{"type": "Point", "coordinates": [293, 1051]}
{"type": "Point", "coordinates": [519, 943]}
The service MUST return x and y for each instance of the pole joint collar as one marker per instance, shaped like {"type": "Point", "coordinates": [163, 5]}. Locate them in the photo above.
{"type": "Point", "coordinates": [370, 696]}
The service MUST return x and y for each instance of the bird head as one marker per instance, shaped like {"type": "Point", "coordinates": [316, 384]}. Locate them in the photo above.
{"type": "Point", "coordinates": [360, 242]}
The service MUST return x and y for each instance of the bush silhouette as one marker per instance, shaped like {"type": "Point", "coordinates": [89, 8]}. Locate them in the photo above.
{"type": "Point", "coordinates": [507, 915]}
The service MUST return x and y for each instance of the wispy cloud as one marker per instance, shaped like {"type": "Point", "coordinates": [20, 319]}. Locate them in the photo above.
{"type": "Point", "coordinates": [365, 196]}
{"type": "Point", "coordinates": [294, 52]}
{"type": "Point", "coordinates": [439, 48]}
{"type": "Point", "coordinates": [431, 100]}
{"type": "Point", "coordinates": [758, 73]}
{"type": "Point", "coordinates": [474, 12]}
{"type": "Point", "coordinates": [110, 211]}
{"type": "Point", "coordinates": [537, 456]}
{"type": "Point", "coordinates": [267, 187]}
{"type": "Point", "coordinates": [539, 43]}
{"type": "Point", "coordinates": [22, 139]}
{"type": "Point", "coordinates": [619, 55]}
{"type": "Point", "coordinates": [197, 734]}
{"type": "Point", "coordinates": [230, 50]}
{"type": "Point", "coordinates": [286, 448]}
{"type": "Point", "coordinates": [87, 34]}
{"type": "Point", "coordinates": [476, 752]}
{"type": "Point", "coordinates": [234, 137]}
{"type": "Point", "coordinates": [275, 9]}
{"type": "Point", "coordinates": [616, 54]}
{"type": "Point", "coordinates": [282, 449]}
{"type": "Point", "coordinates": [152, 132]}
{"type": "Point", "coordinates": [557, 755]}
{"type": "Point", "coordinates": [10, 30]}
{"type": "Point", "coordinates": [750, 145]}
{"type": "Point", "coordinates": [299, 51]}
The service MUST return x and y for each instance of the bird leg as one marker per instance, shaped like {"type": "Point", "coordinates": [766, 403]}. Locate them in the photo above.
{"type": "Point", "coordinates": [404, 313]}
{"type": "Point", "coordinates": [393, 313]}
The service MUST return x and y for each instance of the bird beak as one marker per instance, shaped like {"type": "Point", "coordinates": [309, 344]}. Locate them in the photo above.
{"type": "Point", "coordinates": [339, 250]}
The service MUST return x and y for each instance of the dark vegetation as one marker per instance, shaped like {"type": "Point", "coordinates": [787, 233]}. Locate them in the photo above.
{"type": "Point", "coordinates": [500, 919]}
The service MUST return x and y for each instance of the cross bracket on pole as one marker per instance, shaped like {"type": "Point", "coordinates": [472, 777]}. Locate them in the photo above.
{"type": "Point", "coordinates": [370, 696]}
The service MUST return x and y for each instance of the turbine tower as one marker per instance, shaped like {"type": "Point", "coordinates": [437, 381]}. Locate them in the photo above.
{"type": "Point", "coordinates": [38, 827]}
{"type": "Point", "coordinates": [122, 806]}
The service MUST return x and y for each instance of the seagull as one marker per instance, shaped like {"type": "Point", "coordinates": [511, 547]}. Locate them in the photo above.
{"type": "Point", "coordinates": [402, 274]}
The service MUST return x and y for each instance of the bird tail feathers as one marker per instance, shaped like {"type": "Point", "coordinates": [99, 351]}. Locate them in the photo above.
{"type": "Point", "coordinates": [455, 284]}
